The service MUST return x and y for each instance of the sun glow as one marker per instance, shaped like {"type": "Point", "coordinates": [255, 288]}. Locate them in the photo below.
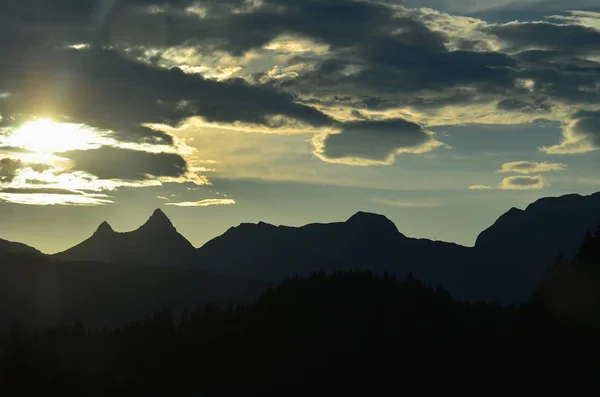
{"type": "Point", "coordinates": [45, 136]}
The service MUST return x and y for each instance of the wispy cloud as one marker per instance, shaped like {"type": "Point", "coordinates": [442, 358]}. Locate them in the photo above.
{"type": "Point", "coordinates": [406, 204]}
{"type": "Point", "coordinates": [580, 135]}
{"type": "Point", "coordinates": [203, 203]}
{"type": "Point", "coordinates": [524, 183]}
{"type": "Point", "coordinates": [40, 199]}
{"type": "Point", "coordinates": [531, 167]}
{"type": "Point", "coordinates": [520, 182]}
{"type": "Point", "coordinates": [482, 187]}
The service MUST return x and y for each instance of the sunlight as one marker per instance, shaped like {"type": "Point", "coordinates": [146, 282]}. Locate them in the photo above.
{"type": "Point", "coordinates": [47, 136]}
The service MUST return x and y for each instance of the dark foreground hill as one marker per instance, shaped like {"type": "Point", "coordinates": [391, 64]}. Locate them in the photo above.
{"type": "Point", "coordinates": [38, 292]}
{"type": "Point", "coordinates": [342, 334]}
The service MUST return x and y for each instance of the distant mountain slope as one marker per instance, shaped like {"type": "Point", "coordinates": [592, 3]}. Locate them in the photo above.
{"type": "Point", "coordinates": [15, 248]}
{"type": "Point", "coordinates": [511, 256]}
{"type": "Point", "coordinates": [271, 253]}
{"type": "Point", "coordinates": [508, 260]}
{"type": "Point", "coordinates": [40, 292]}
{"type": "Point", "coordinates": [157, 242]}
{"type": "Point", "coordinates": [545, 228]}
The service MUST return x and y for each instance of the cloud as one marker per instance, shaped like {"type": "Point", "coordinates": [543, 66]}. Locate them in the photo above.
{"type": "Point", "coordinates": [44, 190]}
{"type": "Point", "coordinates": [42, 199]}
{"type": "Point", "coordinates": [535, 182]}
{"type": "Point", "coordinates": [531, 167]}
{"type": "Point", "coordinates": [114, 163]}
{"type": "Point", "coordinates": [407, 204]}
{"type": "Point", "coordinates": [371, 142]}
{"type": "Point", "coordinates": [519, 36]}
{"type": "Point", "coordinates": [9, 169]}
{"type": "Point", "coordinates": [203, 203]}
{"type": "Point", "coordinates": [39, 196]}
{"type": "Point", "coordinates": [339, 23]}
{"type": "Point", "coordinates": [528, 105]}
{"type": "Point", "coordinates": [481, 187]}
{"type": "Point", "coordinates": [524, 183]}
{"type": "Point", "coordinates": [365, 78]}
{"type": "Point", "coordinates": [580, 135]}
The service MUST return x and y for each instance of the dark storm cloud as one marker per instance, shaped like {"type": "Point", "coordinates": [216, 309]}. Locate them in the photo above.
{"type": "Point", "coordinates": [379, 58]}
{"type": "Point", "coordinates": [400, 62]}
{"type": "Point", "coordinates": [587, 125]}
{"type": "Point", "coordinates": [9, 168]}
{"type": "Point", "coordinates": [549, 36]}
{"type": "Point", "coordinates": [532, 105]}
{"type": "Point", "coordinates": [113, 163]}
{"type": "Point", "coordinates": [402, 65]}
{"type": "Point", "coordinates": [393, 73]}
{"type": "Point", "coordinates": [373, 140]}
{"type": "Point", "coordinates": [167, 23]}
{"type": "Point", "coordinates": [338, 22]}
{"type": "Point", "coordinates": [106, 90]}
{"type": "Point", "coordinates": [557, 77]}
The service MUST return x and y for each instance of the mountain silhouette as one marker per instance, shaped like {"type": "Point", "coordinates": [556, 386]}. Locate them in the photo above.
{"type": "Point", "coordinates": [546, 227]}
{"type": "Point", "coordinates": [156, 242]}
{"type": "Point", "coordinates": [271, 253]}
{"type": "Point", "coordinates": [9, 247]}
{"type": "Point", "coordinates": [507, 261]}
{"type": "Point", "coordinates": [511, 256]}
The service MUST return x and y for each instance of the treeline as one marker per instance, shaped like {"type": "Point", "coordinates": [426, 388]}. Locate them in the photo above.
{"type": "Point", "coordinates": [347, 332]}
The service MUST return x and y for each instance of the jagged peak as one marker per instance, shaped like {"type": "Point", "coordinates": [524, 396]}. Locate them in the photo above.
{"type": "Point", "coordinates": [158, 220]}
{"type": "Point", "coordinates": [159, 213]}
{"type": "Point", "coordinates": [104, 228]}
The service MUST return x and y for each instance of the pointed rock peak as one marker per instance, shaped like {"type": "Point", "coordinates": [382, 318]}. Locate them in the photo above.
{"type": "Point", "coordinates": [159, 214]}
{"type": "Point", "coordinates": [368, 220]}
{"type": "Point", "coordinates": [104, 228]}
{"type": "Point", "coordinates": [158, 220]}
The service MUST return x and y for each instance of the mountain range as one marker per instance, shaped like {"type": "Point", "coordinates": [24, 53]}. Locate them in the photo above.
{"type": "Point", "coordinates": [156, 242]}
{"type": "Point", "coordinates": [507, 261]}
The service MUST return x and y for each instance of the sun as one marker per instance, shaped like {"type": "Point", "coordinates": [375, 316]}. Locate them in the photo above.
{"type": "Point", "coordinates": [45, 136]}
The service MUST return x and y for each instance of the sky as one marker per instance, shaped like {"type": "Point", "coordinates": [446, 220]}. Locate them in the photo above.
{"type": "Point", "coordinates": [439, 114]}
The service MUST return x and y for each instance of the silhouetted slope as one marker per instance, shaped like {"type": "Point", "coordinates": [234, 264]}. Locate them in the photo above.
{"type": "Point", "coordinates": [367, 241]}
{"type": "Point", "coordinates": [512, 255]}
{"type": "Point", "coordinates": [157, 242]}
{"type": "Point", "coordinates": [12, 247]}
{"type": "Point", "coordinates": [508, 260]}
{"type": "Point", "coordinates": [41, 292]}
{"type": "Point", "coordinates": [545, 228]}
